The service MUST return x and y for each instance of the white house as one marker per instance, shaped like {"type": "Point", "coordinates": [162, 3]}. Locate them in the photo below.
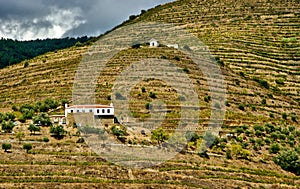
{"type": "Point", "coordinates": [153, 43]}
{"type": "Point", "coordinates": [96, 109]}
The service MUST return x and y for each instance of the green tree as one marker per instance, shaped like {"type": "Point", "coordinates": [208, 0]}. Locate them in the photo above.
{"type": "Point", "coordinates": [53, 104]}
{"type": "Point", "coordinates": [27, 147]}
{"type": "Point", "coordinates": [34, 128]}
{"type": "Point", "coordinates": [6, 146]}
{"type": "Point", "coordinates": [9, 117]}
{"type": "Point", "coordinates": [42, 119]}
{"type": "Point", "coordinates": [8, 126]}
{"type": "Point", "coordinates": [159, 135]}
{"type": "Point", "coordinates": [117, 131]}
{"type": "Point", "coordinates": [58, 131]}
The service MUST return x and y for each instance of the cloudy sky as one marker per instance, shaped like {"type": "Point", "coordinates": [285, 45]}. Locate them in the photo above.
{"type": "Point", "coordinates": [32, 19]}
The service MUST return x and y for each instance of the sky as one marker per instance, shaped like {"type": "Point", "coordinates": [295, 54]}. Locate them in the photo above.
{"type": "Point", "coordinates": [40, 19]}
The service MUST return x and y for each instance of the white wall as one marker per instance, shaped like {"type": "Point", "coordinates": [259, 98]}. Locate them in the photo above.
{"type": "Point", "coordinates": [95, 111]}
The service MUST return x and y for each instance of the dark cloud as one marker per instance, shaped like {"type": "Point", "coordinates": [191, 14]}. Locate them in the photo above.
{"type": "Point", "coordinates": [30, 19]}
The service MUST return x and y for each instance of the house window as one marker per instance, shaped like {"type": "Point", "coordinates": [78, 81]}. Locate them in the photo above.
{"type": "Point", "coordinates": [108, 111]}
{"type": "Point", "coordinates": [103, 111]}
{"type": "Point", "coordinates": [98, 111]}
{"type": "Point", "coordinates": [91, 110]}
{"type": "Point", "coordinates": [71, 111]}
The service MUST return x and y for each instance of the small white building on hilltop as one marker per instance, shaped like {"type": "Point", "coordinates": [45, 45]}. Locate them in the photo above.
{"type": "Point", "coordinates": [153, 43]}
{"type": "Point", "coordinates": [96, 109]}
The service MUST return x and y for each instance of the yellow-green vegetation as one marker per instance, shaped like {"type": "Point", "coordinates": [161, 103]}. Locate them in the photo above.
{"type": "Point", "coordinates": [256, 44]}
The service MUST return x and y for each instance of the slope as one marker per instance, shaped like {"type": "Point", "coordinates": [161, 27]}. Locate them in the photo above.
{"type": "Point", "coordinates": [258, 42]}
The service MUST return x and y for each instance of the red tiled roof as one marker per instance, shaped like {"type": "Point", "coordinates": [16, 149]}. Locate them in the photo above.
{"type": "Point", "coordinates": [89, 106]}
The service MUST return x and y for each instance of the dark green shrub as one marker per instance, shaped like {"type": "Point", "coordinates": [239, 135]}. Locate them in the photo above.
{"type": "Point", "coordinates": [143, 89]}
{"type": "Point", "coordinates": [245, 145]}
{"type": "Point", "coordinates": [186, 70]}
{"type": "Point", "coordinates": [255, 147]}
{"type": "Point", "coordinates": [260, 142]}
{"type": "Point", "coordinates": [178, 59]}
{"type": "Point", "coordinates": [242, 107]}
{"type": "Point", "coordinates": [288, 160]}
{"type": "Point", "coordinates": [14, 108]}
{"type": "Point", "coordinates": [258, 128]}
{"type": "Point", "coordinates": [284, 116]}
{"type": "Point", "coordinates": [108, 97]}
{"type": "Point", "coordinates": [118, 132]}
{"type": "Point", "coordinates": [278, 128]}
{"type": "Point", "coordinates": [152, 95]}
{"type": "Point", "coordinates": [7, 126]}
{"type": "Point", "coordinates": [268, 130]}
{"type": "Point", "coordinates": [33, 128]}
{"type": "Point", "coordinates": [58, 131]}
{"type": "Point", "coordinates": [6, 146]}
{"type": "Point", "coordinates": [282, 136]}
{"type": "Point", "coordinates": [285, 131]}
{"type": "Point", "coordinates": [264, 84]}
{"type": "Point", "coordinates": [9, 116]}
{"type": "Point", "coordinates": [207, 98]}
{"type": "Point", "coordinates": [270, 126]}
{"type": "Point", "coordinates": [248, 132]}
{"type": "Point", "coordinates": [26, 64]}
{"type": "Point", "coordinates": [239, 130]}
{"type": "Point", "coordinates": [27, 147]}
{"type": "Point", "coordinates": [258, 133]}
{"type": "Point", "coordinates": [292, 128]}
{"type": "Point", "coordinates": [46, 139]}
{"type": "Point", "coordinates": [227, 103]}
{"type": "Point", "coordinates": [275, 135]}
{"type": "Point", "coordinates": [148, 106]}
{"type": "Point", "coordinates": [52, 104]}
{"type": "Point", "coordinates": [228, 154]}
{"type": "Point", "coordinates": [264, 101]}
{"type": "Point", "coordinates": [274, 148]}
{"type": "Point", "coordinates": [291, 143]}
{"type": "Point", "coordinates": [245, 127]}
{"type": "Point", "coordinates": [42, 119]}
{"type": "Point", "coordinates": [294, 118]}
{"type": "Point", "coordinates": [279, 81]}
{"type": "Point", "coordinates": [63, 102]}
{"type": "Point", "coordinates": [267, 141]}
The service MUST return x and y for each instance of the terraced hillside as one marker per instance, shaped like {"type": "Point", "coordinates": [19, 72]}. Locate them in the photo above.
{"type": "Point", "coordinates": [253, 38]}
{"type": "Point", "coordinates": [256, 44]}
